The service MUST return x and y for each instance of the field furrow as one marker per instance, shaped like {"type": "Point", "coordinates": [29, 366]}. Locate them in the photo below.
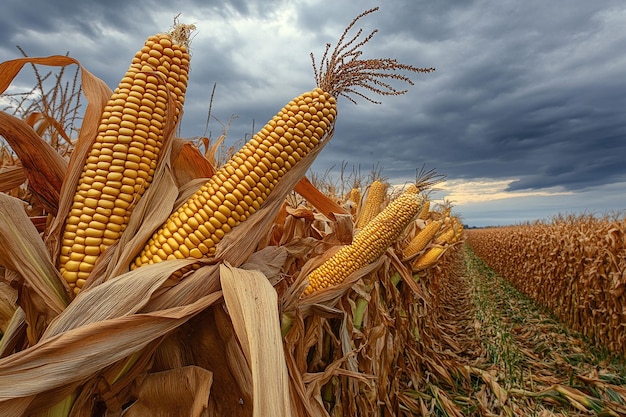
{"type": "Point", "coordinates": [523, 362]}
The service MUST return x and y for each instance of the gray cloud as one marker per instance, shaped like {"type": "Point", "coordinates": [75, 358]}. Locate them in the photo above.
{"type": "Point", "coordinates": [530, 90]}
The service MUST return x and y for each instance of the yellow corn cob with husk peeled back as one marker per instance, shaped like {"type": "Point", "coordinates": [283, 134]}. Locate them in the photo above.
{"type": "Point", "coordinates": [368, 245]}
{"type": "Point", "coordinates": [421, 240]}
{"type": "Point", "coordinates": [240, 187]}
{"type": "Point", "coordinates": [412, 188]}
{"type": "Point", "coordinates": [352, 200]}
{"type": "Point", "coordinates": [121, 162]}
{"type": "Point", "coordinates": [373, 200]}
{"type": "Point", "coordinates": [355, 195]}
{"type": "Point", "coordinates": [459, 232]}
{"type": "Point", "coordinates": [425, 212]}
{"type": "Point", "coordinates": [428, 259]}
{"type": "Point", "coordinates": [447, 234]}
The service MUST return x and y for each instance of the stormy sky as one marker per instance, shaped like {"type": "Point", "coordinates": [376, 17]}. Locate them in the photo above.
{"type": "Point", "coordinates": [525, 115]}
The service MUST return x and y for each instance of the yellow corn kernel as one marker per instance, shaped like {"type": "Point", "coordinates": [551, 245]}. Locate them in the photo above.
{"type": "Point", "coordinates": [240, 187]}
{"type": "Point", "coordinates": [447, 235]}
{"type": "Point", "coordinates": [421, 240]}
{"type": "Point", "coordinates": [368, 245]}
{"type": "Point", "coordinates": [120, 146]}
{"type": "Point", "coordinates": [425, 213]}
{"type": "Point", "coordinates": [428, 259]}
{"type": "Point", "coordinates": [373, 201]}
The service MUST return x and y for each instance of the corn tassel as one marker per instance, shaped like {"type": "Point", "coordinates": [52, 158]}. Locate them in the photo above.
{"type": "Point", "coordinates": [121, 162]}
{"type": "Point", "coordinates": [368, 245]}
{"type": "Point", "coordinates": [239, 188]}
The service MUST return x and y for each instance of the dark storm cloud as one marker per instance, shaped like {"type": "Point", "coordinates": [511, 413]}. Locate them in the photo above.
{"type": "Point", "coordinates": [530, 90]}
{"type": "Point", "coordinates": [83, 17]}
{"type": "Point", "coordinates": [534, 92]}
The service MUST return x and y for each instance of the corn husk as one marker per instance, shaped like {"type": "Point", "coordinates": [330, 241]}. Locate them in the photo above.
{"type": "Point", "coordinates": [253, 306]}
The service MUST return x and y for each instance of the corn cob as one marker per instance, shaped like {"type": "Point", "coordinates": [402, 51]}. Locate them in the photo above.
{"type": "Point", "coordinates": [352, 200]}
{"type": "Point", "coordinates": [122, 160]}
{"type": "Point", "coordinates": [448, 234]}
{"type": "Point", "coordinates": [412, 188]}
{"type": "Point", "coordinates": [355, 195]}
{"type": "Point", "coordinates": [368, 245]}
{"type": "Point", "coordinates": [425, 213]}
{"type": "Point", "coordinates": [421, 239]}
{"type": "Point", "coordinates": [428, 259]}
{"type": "Point", "coordinates": [459, 232]}
{"type": "Point", "coordinates": [373, 201]}
{"type": "Point", "coordinates": [240, 187]}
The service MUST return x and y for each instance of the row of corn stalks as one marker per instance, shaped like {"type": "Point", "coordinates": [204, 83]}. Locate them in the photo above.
{"type": "Point", "coordinates": [143, 279]}
{"type": "Point", "coordinates": [574, 265]}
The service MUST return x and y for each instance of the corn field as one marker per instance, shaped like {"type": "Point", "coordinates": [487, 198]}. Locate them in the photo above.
{"type": "Point", "coordinates": [574, 266]}
{"type": "Point", "coordinates": [142, 273]}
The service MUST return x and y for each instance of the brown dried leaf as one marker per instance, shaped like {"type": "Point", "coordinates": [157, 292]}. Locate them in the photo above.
{"type": "Point", "coordinates": [324, 204]}
{"type": "Point", "coordinates": [97, 93]}
{"type": "Point", "coordinates": [270, 261]}
{"type": "Point", "coordinates": [131, 292]}
{"type": "Point", "coordinates": [13, 332]}
{"type": "Point", "coordinates": [8, 304]}
{"type": "Point", "coordinates": [253, 307]}
{"type": "Point", "coordinates": [11, 177]}
{"type": "Point", "coordinates": [180, 391]}
{"type": "Point", "coordinates": [42, 165]}
{"type": "Point", "coordinates": [22, 250]}
{"type": "Point", "coordinates": [65, 360]}
{"type": "Point", "coordinates": [189, 163]}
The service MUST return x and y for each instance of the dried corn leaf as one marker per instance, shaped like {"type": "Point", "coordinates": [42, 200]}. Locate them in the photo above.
{"type": "Point", "coordinates": [325, 205]}
{"type": "Point", "coordinates": [343, 228]}
{"type": "Point", "coordinates": [189, 163]}
{"type": "Point", "coordinates": [67, 359]}
{"type": "Point", "coordinates": [43, 166]}
{"type": "Point", "coordinates": [212, 149]}
{"type": "Point", "coordinates": [490, 380]}
{"type": "Point", "coordinates": [96, 92]}
{"type": "Point", "coordinates": [13, 333]}
{"type": "Point", "coordinates": [253, 307]}
{"type": "Point", "coordinates": [215, 347]}
{"type": "Point", "coordinates": [270, 261]}
{"type": "Point", "coordinates": [131, 292]}
{"type": "Point", "coordinates": [22, 250]}
{"type": "Point", "coordinates": [11, 177]}
{"type": "Point", "coordinates": [180, 391]}
{"type": "Point", "coordinates": [315, 381]}
{"type": "Point", "coordinates": [8, 304]}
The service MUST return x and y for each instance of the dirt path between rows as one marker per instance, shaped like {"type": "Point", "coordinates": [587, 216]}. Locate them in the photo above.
{"type": "Point", "coordinates": [521, 361]}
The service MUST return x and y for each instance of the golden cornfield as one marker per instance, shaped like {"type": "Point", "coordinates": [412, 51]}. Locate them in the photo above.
{"type": "Point", "coordinates": [225, 331]}
{"type": "Point", "coordinates": [142, 273]}
{"type": "Point", "coordinates": [575, 266]}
